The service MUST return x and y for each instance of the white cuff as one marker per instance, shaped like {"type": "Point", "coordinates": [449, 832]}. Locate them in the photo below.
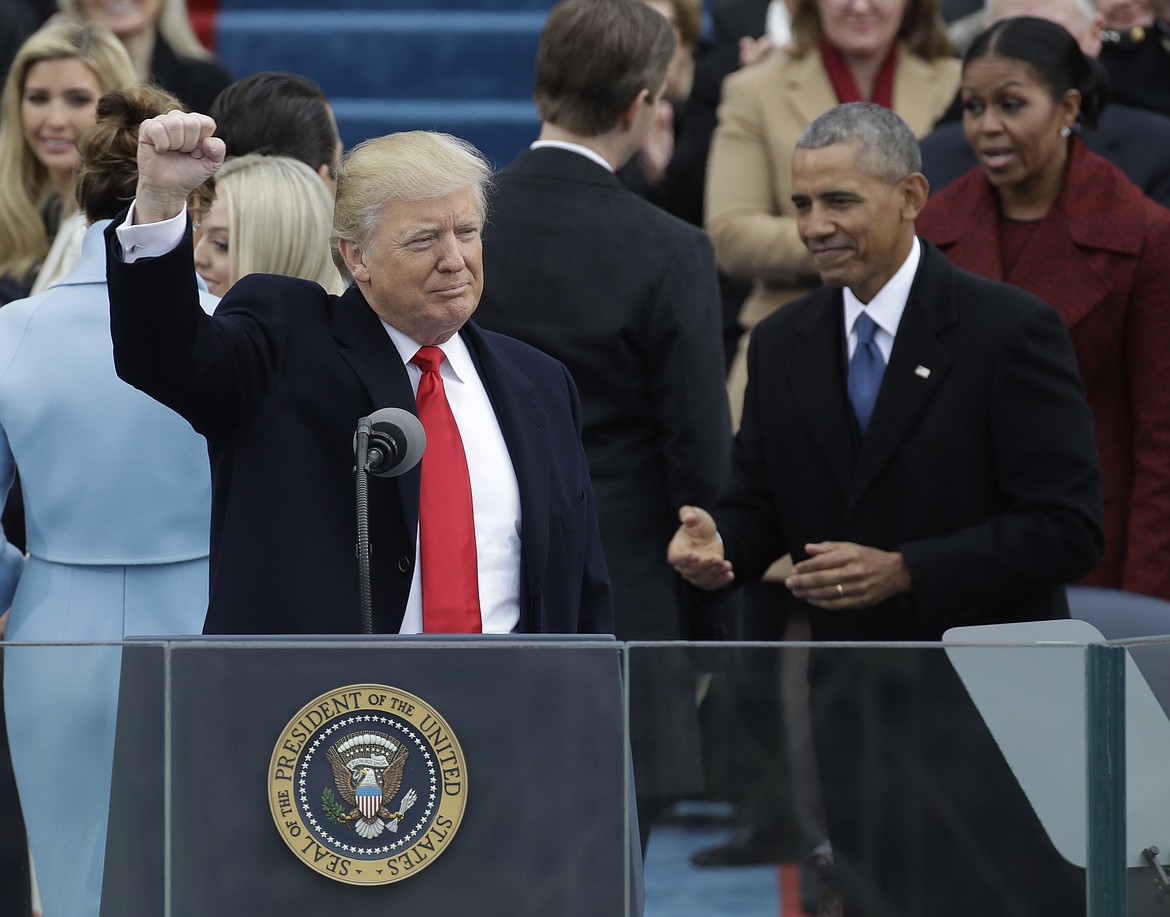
{"type": "Point", "coordinates": [150, 240]}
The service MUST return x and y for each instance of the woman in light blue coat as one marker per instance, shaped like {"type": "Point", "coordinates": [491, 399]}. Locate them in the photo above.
{"type": "Point", "coordinates": [117, 499]}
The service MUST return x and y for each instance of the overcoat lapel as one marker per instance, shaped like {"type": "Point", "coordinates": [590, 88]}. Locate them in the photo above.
{"type": "Point", "coordinates": [917, 91]}
{"type": "Point", "coordinates": [808, 88]}
{"type": "Point", "coordinates": [522, 421]}
{"type": "Point", "coordinates": [366, 346]}
{"type": "Point", "coordinates": [819, 395]}
{"type": "Point", "coordinates": [1078, 287]}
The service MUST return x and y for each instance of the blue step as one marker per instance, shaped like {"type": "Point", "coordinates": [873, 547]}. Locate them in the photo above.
{"type": "Point", "coordinates": [390, 55]}
{"type": "Point", "coordinates": [500, 130]}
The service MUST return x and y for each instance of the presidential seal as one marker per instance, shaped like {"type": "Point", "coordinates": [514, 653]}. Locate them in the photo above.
{"type": "Point", "coordinates": [367, 784]}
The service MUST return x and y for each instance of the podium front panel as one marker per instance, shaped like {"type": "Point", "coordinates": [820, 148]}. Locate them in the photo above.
{"type": "Point", "coordinates": [540, 725]}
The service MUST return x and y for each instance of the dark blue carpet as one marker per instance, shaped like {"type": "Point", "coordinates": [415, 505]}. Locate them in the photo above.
{"type": "Point", "coordinates": [675, 888]}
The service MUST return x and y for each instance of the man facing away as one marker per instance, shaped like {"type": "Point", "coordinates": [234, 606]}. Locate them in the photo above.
{"type": "Point", "coordinates": [277, 379]}
{"type": "Point", "coordinates": [918, 438]}
{"type": "Point", "coordinates": [627, 297]}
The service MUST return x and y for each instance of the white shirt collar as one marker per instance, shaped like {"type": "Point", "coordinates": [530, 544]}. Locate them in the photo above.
{"type": "Point", "coordinates": [458, 364]}
{"type": "Point", "coordinates": [887, 306]}
{"type": "Point", "coordinates": [575, 148]}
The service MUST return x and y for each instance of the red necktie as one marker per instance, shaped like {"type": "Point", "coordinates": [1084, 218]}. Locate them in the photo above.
{"type": "Point", "coordinates": [446, 522]}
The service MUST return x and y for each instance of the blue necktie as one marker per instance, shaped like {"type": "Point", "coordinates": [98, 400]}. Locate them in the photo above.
{"type": "Point", "coordinates": [865, 371]}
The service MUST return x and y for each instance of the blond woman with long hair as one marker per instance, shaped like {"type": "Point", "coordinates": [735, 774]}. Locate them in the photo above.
{"type": "Point", "coordinates": [49, 98]}
{"type": "Point", "coordinates": [271, 215]}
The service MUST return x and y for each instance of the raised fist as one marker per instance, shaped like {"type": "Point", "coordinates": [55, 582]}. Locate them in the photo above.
{"type": "Point", "coordinates": [176, 154]}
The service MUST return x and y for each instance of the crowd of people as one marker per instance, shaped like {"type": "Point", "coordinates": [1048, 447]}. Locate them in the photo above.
{"type": "Point", "coordinates": [842, 323]}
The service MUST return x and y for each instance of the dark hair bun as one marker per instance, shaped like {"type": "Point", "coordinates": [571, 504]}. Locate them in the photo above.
{"type": "Point", "coordinates": [107, 175]}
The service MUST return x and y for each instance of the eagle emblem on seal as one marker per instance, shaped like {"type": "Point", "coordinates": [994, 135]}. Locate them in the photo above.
{"type": "Point", "coordinates": [367, 770]}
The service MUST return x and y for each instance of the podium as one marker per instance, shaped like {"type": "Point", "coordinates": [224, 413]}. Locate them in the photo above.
{"type": "Point", "coordinates": [208, 726]}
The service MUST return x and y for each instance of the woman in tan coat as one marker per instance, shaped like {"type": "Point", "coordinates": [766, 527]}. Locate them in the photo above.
{"type": "Point", "coordinates": [893, 52]}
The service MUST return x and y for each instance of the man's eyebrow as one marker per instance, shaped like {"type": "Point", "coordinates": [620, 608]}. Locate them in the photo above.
{"type": "Point", "coordinates": [833, 194]}
{"type": "Point", "coordinates": [419, 229]}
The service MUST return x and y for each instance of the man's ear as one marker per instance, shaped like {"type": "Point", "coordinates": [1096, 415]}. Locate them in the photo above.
{"type": "Point", "coordinates": [355, 259]}
{"type": "Point", "coordinates": [915, 190]}
{"type": "Point", "coordinates": [630, 115]}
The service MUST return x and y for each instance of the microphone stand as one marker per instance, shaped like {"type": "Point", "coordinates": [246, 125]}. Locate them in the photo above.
{"type": "Point", "coordinates": [388, 443]}
{"type": "Point", "coordinates": [361, 473]}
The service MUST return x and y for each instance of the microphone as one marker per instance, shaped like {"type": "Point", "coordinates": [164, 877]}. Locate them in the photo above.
{"type": "Point", "coordinates": [396, 441]}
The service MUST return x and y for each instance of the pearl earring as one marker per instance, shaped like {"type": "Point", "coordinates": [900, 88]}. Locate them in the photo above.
{"type": "Point", "coordinates": [1066, 131]}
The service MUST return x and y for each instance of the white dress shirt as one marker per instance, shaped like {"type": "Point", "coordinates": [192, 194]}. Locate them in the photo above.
{"type": "Point", "coordinates": [495, 495]}
{"type": "Point", "coordinates": [886, 307]}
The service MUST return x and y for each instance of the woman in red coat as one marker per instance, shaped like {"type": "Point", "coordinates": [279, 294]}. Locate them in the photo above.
{"type": "Point", "coordinates": [1044, 213]}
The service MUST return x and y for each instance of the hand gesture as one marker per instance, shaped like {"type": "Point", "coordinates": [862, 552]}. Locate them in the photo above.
{"type": "Point", "coordinates": [841, 575]}
{"type": "Point", "coordinates": [657, 147]}
{"type": "Point", "coordinates": [754, 50]}
{"type": "Point", "coordinates": [696, 551]}
{"type": "Point", "coordinates": [176, 154]}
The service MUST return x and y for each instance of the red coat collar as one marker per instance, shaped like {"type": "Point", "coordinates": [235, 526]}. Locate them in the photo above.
{"type": "Point", "coordinates": [1098, 210]}
{"type": "Point", "coordinates": [1093, 188]}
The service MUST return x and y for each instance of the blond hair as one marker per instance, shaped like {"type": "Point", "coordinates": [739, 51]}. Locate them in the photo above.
{"type": "Point", "coordinates": [278, 215]}
{"type": "Point", "coordinates": [25, 186]}
{"type": "Point", "coordinates": [408, 166]}
{"type": "Point", "coordinates": [174, 25]}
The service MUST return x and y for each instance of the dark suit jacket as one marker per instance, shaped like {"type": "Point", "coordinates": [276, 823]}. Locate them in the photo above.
{"type": "Point", "coordinates": [1139, 70]}
{"type": "Point", "coordinates": [194, 81]}
{"type": "Point", "coordinates": [1100, 258]}
{"type": "Point", "coordinates": [978, 465]}
{"type": "Point", "coordinates": [626, 296]}
{"type": "Point", "coordinates": [276, 381]}
{"type": "Point", "coordinates": [1136, 141]}
{"type": "Point", "coordinates": [732, 20]}
{"type": "Point", "coordinates": [17, 23]}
